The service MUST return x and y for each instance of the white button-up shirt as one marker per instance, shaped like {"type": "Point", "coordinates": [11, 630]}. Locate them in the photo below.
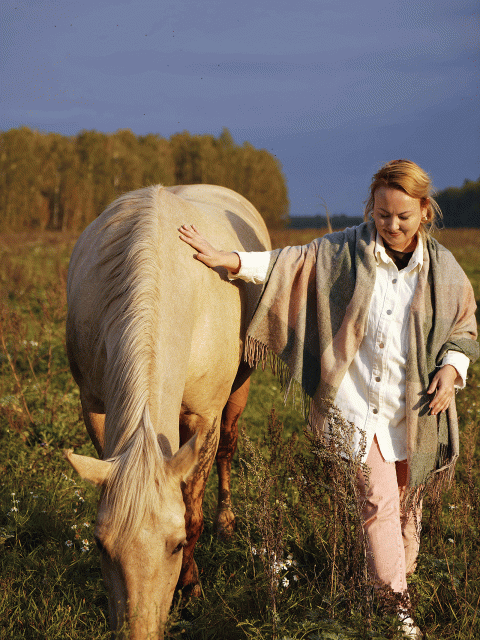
{"type": "Point", "coordinates": [372, 392]}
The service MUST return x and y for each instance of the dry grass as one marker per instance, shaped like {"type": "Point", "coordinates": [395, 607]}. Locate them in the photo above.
{"type": "Point", "coordinates": [312, 585]}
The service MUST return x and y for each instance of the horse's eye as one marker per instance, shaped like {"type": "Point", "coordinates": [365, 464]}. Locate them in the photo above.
{"type": "Point", "coordinates": [179, 547]}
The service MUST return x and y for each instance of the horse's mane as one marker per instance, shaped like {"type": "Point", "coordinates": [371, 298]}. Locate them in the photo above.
{"type": "Point", "coordinates": [128, 308]}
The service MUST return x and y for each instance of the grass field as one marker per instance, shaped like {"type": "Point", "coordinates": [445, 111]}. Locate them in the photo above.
{"type": "Point", "coordinates": [50, 582]}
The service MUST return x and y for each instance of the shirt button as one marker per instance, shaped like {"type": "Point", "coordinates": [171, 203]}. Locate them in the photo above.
{"type": "Point", "coordinates": [377, 379]}
{"type": "Point", "coordinates": [394, 281]}
{"type": "Point", "coordinates": [375, 411]}
{"type": "Point", "coordinates": [389, 312]}
{"type": "Point", "coordinates": [381, 345]}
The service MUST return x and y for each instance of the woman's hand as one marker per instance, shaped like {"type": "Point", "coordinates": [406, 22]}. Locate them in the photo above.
{"type": "Point", "coordinates": [206, 253]}
{"type": "Point", "coordinates": [443, 387]}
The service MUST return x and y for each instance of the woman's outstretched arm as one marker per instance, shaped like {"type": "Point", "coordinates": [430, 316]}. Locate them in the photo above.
{"type": "Point", "coordinates": [206, 253]}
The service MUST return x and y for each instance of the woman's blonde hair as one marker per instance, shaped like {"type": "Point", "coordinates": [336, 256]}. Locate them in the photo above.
{"type": "Point", "coordinates": [408, 177]}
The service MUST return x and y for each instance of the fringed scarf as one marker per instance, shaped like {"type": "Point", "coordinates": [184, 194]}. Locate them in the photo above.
{"type": "Point", "coordinates": [312, 316]}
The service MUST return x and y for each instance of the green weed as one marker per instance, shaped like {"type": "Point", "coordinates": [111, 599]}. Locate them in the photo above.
{"type": "Point", "coordinates": [292, 570]}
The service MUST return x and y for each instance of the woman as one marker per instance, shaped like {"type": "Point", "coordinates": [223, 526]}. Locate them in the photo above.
{"type": "Point", "coordinates": [380, 319]}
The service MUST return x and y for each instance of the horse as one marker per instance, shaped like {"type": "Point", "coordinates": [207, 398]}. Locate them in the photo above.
{"type": "Point", "coordinates": [155, 342]}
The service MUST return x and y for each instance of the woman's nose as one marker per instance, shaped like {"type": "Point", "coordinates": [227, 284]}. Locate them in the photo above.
{"type": "Point", "coordinates": [392, 224]}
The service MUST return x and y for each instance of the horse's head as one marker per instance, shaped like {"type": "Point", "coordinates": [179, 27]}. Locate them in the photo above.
{"type": "Point", "coordinates": [142, 570]}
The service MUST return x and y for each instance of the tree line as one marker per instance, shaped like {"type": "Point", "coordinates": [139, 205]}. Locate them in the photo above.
{"type": "Point", "coordinates": [51, 181]}
{"type": "Point", "coordinates": [461, 205]}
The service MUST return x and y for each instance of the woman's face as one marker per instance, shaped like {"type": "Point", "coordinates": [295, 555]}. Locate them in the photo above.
{"type": "Point", "coordinates": [397, 218]}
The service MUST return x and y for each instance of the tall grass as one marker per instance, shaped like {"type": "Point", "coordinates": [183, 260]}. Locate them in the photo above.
{"type": "Point", "coordinates": [292, 570]}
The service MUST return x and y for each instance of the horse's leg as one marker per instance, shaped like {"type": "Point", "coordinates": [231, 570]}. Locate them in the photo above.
{"type": "Point", "coordinates": [193, 492]}
{"type": "Point", "coordinates": [94, 418]}
{"type": "Point", "coordinates": [225, 518]}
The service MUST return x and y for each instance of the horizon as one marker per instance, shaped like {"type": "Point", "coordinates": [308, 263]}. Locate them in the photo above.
{"type": "Point", "coordinates": [332, 91]}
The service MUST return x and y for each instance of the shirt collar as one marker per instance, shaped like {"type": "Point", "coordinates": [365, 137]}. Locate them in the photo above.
{"type": "Point", "coordinates": [415, 260]}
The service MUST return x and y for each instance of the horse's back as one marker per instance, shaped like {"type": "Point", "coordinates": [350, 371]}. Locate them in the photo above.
{"type": "Point", "coordinates": [201, 315]}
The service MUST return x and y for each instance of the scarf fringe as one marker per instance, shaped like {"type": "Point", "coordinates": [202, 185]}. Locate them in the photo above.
{"type": "Point", "coordinates": [256, 352]}
{"type": "Point", "coordinates": [435, 484]}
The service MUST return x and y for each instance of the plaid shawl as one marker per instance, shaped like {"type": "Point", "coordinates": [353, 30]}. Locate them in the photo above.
{"type": "Point", "coordinates": [312, 316]}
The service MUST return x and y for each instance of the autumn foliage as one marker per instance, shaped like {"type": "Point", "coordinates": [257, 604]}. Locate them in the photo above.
{"type": "Point", "coordinates": [51, 181]}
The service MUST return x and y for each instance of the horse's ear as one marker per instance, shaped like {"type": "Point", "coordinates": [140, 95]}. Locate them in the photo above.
{"type": "Point", "coordinates": [183, 463]}
{"type": "Point", "coordinates": [91, 469]}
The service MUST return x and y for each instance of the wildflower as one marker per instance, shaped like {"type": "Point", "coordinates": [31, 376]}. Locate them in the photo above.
{"type": "Point", "coordinates": [285, 582]}
{"type": "Point", "coordinates": [254, 551]}
{"type": "Point", "coordinates": [74, 526]}
{"type": "Point", "coordinates": [86, 546]}
{"type": "Point", "coordinates": [87, 524]}
{"type": "Point", "coordinates": [68, 543]}
{"type": "Point", "coordinates": [14, 509]}
{"type": "Point", "coordinates": [296, 578]}
{"type": "Point", "coordinates": [451, 540]}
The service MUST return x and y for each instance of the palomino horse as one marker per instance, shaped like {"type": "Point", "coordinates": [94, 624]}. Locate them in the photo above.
{"type": "Point", "coordinates": [155, 344]}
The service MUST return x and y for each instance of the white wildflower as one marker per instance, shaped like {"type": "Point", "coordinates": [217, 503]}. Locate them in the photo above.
{"type": "Point", "coordinates": [68, 543]}
{"type": "Point", "coordinates": [285, 582]}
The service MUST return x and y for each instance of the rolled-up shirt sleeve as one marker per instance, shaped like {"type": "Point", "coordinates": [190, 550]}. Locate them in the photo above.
{"type": "Point", "coordinates": [253, 266]}
{"type": "Point", "coordinates": [460, 361]}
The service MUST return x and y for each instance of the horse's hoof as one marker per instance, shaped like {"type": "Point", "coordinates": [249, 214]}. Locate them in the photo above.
{"type": "Point", "coordinates": [225, 531]}
{"type": "Point", "coordinates": [191, 591]}
{"type": "Point", "coordinates": [224, 525]}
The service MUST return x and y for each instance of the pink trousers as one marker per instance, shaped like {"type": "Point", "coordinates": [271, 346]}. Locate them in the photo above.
{"type": "Point", "coordinates": [393, 537]}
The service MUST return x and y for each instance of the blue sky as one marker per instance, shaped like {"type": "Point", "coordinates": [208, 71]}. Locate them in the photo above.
{"type": "Point", "coordinates": [333, 88]}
